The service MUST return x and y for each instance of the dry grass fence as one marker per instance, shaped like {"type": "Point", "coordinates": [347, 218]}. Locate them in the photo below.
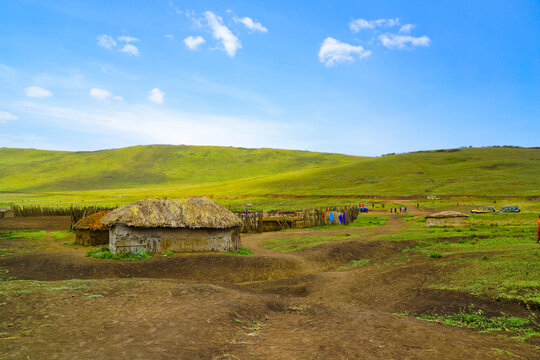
{"type": "Point", "coordinates": [76, 212]}
{"type": "Point", "coordinates": [253, 220]}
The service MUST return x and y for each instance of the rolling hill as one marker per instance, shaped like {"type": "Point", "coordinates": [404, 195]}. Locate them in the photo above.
{"type": "Point", "coordinates": [174, 171]}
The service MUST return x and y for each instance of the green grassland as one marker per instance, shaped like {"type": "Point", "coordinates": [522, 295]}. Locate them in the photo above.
{"type": "Point", "coordinates": [496, 255]}
{"type": "Point", "coordinates": [269, 177]}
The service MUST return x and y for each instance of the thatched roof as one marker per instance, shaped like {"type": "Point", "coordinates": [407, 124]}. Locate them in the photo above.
{"type": "Point", "coordinates": [187, 213]}
{"type": "Point", "coordinates": [447, 214]}
{"type": "Point", "coordinates": [92, 222]}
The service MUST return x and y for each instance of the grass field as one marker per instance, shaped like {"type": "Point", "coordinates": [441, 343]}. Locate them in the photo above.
{"type": "Point", "coordinates": [268, 178]}
{"type": "Point", "coordinates": [497, 255]}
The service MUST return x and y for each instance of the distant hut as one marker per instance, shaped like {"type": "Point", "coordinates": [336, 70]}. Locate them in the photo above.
{"type": "Point", "coordinates": [159, 225]}
{"type": "Point", "coordinates": [447, 218]}
{"type": "Point", "coordinates": [5, 213]}
{"type": "Point", "coordinates": [90, 231]}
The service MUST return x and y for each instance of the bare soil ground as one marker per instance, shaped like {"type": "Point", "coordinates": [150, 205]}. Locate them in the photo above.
{"type": "Point", "coordinates": [306, 304]}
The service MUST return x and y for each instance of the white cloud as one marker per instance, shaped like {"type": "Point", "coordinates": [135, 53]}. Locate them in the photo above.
{"type": "Point", "coordinates": [137, 124]}
{"type": "Point", "coordinates": [104, 95]}
{"type": "Point", "coordinates": [406, 28]}
{"type": "Point", "coordinates": [130, 50]}
{"type": "Point", "coordinates": [334, 51]}
{"type": "Point", "coordinates": [169, 36]}
{"type": "Point", "coordinates": [106, 41]}
{"type": "Point", "coordinates": [250, 24]}
{"type": "Point", "coordinates": [359, 24]}
{"type": "Point", "coordinates": [155, 95]}
{"type": "Point", "coordinates": [127, 38]}
{"type": "Point", "coordinates": [193, 43]}
{"type": "Point", "coordinates": [393, 41]}
{"type": "Point", "coordinates": [6, 116]}
{"type": "Point", "coordinates": [37, 92]}
{"type": "Point", "coordinates": [190, 14]}
{"type": "Point", "coordinates": [221, 32]}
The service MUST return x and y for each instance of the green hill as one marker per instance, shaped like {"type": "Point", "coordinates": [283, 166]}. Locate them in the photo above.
{"type": "Point", "coordinates": [174, 171]}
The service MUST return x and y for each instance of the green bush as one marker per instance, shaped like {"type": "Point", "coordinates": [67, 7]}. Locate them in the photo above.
{"type": "Point", "coordinates": [240, 251]}
{"type": "Point", "coordinates": [105, 254]}
{"type": "Point", "coordinates": [524, 327]}
{"type": "Point", "coordinates": [359, 262]}
{"type": "Point", "coordinates": [435, 255]}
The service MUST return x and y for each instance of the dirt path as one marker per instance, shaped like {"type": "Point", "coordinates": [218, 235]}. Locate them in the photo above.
{"type": "Point", "coordinates": [254, 242]}
{"type": "Point", "coordinates": [308, 304]}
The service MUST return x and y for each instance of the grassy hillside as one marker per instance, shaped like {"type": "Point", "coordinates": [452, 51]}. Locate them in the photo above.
{"type": "Point", "coordinates": [176, 171]}
{"type": "Point", "coordinates": [38, 170]}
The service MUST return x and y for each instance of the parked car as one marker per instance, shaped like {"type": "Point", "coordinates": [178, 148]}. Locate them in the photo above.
{"type": "Point", "coordinates": [483, 210]}
{"type": "Point", "coordinates": [510, 209]}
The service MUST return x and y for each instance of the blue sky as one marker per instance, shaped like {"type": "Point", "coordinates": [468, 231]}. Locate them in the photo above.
{"type": "Point", "coordinates": [354, 77]}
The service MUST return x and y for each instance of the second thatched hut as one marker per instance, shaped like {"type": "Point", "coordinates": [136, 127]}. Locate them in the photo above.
{"type": "Point", "coordinates": [160, 225]}
{"type": "Point", "coordinates": [5, 213]}
{"type": "Point", "coordinates": [447, 218]}
{"type": "Point", "coordinates": [90, 231]}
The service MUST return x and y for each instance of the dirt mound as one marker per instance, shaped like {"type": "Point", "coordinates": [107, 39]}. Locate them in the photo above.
{"type": "Point", "coordinates": [208, 267]}
{"type": "Point", "coordinates": [342, 253]}
{"type": "Point", "coordinates": [350, 333]}
{"type": "Point", "coordinates": [294, 287]}
{"type": "Point", "coordinates": [382, 286]}
{"type": "Point", "coordinates": [399, 288]}
{"type": "Point", "coordinates": [136, 319]}
{"type": "Point", "coordinates": [439, 302]}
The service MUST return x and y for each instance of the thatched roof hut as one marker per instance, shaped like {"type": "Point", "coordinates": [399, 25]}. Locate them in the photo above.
{"type": "Point", "coordinates": [90, 231]}
{"type": "Point", "coordinates": [447, 218]}
{"type": "Point", "coordinates": [159, 225]}
{"type": "Point", "coordinates": [5, 213]}
{"type": "Point", "coordinates": [192, 213]}
{"type": "Point", "coordinates": [92, 222]}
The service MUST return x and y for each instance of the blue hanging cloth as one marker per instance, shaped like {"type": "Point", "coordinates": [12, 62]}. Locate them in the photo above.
{"type": "Point", "coordinates": [340, 218]}
{"type": "Point", "coordinates": [331, 217]}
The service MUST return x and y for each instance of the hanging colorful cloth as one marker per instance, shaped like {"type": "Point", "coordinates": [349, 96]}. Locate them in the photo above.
{"type": "Point", "coordinates": [340, 219]}
{"type": "Point", "coordinates": [331, 217]}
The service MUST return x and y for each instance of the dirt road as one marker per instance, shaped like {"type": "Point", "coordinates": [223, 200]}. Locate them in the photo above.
{"type": "Point", "coordinates": [308, 304]}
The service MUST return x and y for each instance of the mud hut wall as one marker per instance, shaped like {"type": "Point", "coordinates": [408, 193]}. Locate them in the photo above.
{"type": "Point", "coordinates": [89, 237]}
{"type": "Point", "coordinates": [6, 214]}
{"type": "Point", "coordinates": [453, 221]}
{"type": "Point", "coordinates": [125, 238]}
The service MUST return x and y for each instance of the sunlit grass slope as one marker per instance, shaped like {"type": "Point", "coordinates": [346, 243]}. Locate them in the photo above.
{"type": "Point", "coordinates": [37, 170]}
{"type": "Point", "coordinates": [177, 171]}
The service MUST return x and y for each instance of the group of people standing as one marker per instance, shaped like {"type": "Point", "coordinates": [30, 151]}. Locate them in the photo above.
{"type": "Point", "coordinates": [402, 209]}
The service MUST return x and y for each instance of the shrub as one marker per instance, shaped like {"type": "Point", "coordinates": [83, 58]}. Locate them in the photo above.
{"type": "Point", "coordinates": [105, 254]}
{"type": "Point", "coordinates": [240, 251]}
